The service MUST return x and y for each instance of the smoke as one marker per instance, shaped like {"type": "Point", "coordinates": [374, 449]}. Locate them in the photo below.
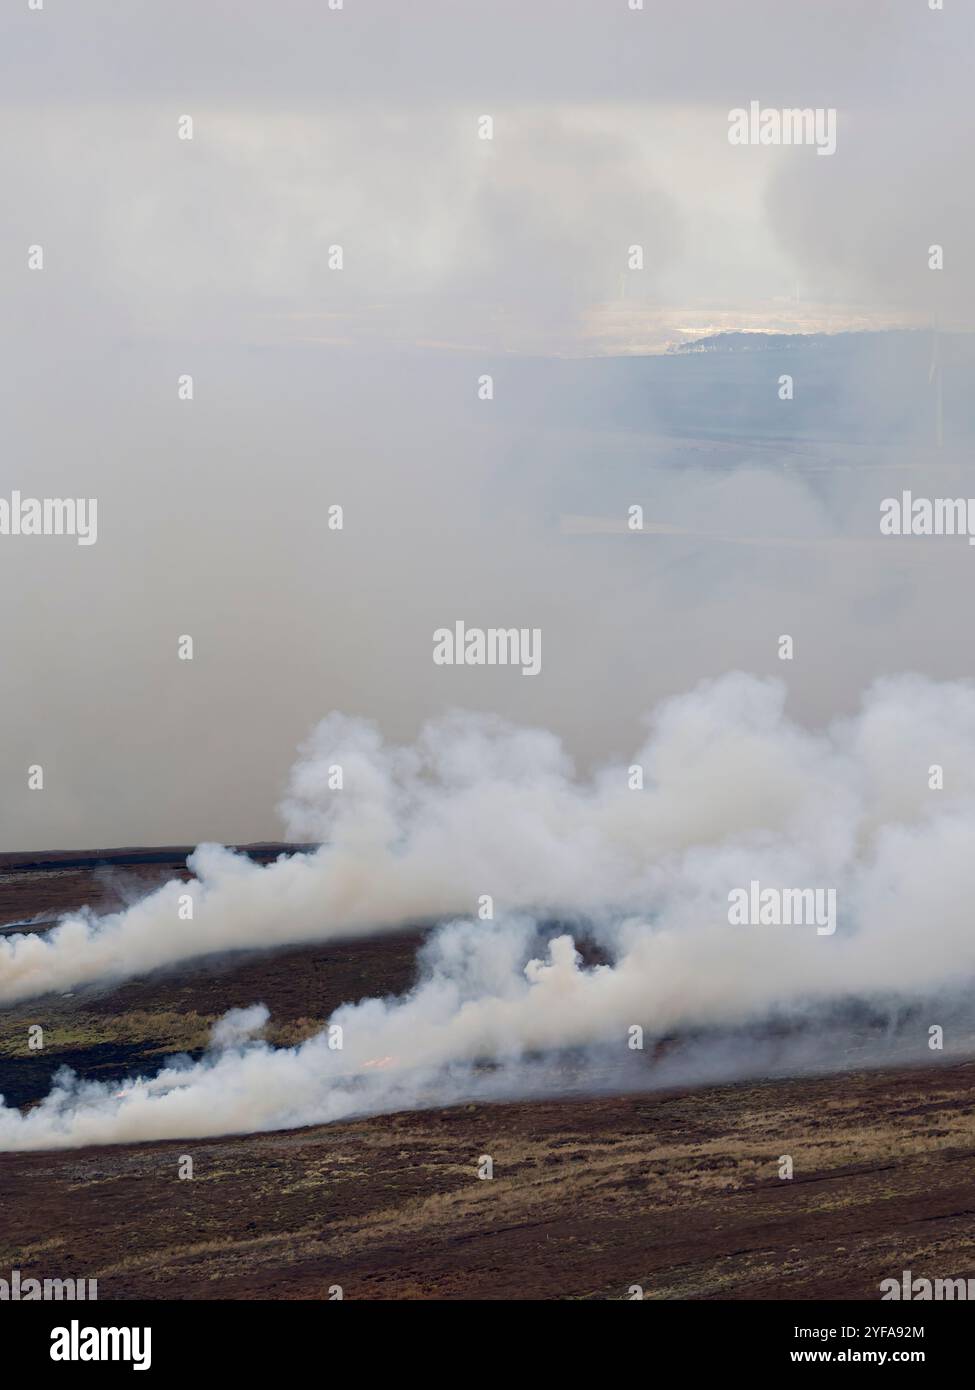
{"type": "Point", "coordinates": [210, 258]}
{"type": "Point", "coordinates": [734, 791]}
{"type": "Point", "coordinates": [484, 1023]}
{"type": "Point", "coordinates": [237, 1026]}
{"type": "Point", "coordinates": [477, 807]}
{"type": "Point", "coordinates": [166, 258]}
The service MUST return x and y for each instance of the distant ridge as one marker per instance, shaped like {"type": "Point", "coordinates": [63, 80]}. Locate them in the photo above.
{"type": "Point", "coordinates": [754, 340]}
{"type": "Point", "coordinates": [158, 854]}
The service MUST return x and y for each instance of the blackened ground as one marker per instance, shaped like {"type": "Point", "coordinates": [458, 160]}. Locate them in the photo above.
{"type": "Point", "coordinates": [679, 1192]}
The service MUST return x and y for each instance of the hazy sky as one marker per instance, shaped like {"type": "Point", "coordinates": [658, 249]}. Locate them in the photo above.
{"type": "Point", "coordinates": [314, 128]}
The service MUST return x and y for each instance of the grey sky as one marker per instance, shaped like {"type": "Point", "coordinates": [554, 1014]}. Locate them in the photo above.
{"type": "Point", "coordinates": [210, 257]}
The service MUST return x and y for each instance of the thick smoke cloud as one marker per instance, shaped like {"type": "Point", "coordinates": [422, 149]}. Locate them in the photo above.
{"type": "Point", "coordinates": [734, 792]}
{"type": "Point", "coordinates": [492, 1018]}
{"type": "Point", "coordinates": [313, 388]}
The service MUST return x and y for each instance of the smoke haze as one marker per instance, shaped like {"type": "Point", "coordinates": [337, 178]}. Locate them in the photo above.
{"type": "Point", "coordinates": [209, 257]}
{"type": "Point", "coordinates": [315, 388]}
{"type": "Point", "coordinates": [734, 791]}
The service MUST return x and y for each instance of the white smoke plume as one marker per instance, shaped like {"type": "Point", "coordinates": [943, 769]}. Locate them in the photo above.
{"type": "Point", "coordinates": [238, 1026]}
{"type": "Point", "coordinates": [734, 792]}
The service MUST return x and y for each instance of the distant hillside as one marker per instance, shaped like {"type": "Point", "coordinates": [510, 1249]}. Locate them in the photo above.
{"type": "Point", "coordinates": [18, 861]}
{"type": "Point", "coordinates": [753, 341]}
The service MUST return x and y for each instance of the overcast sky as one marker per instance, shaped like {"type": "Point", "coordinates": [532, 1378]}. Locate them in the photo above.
{"type": "Point", "coordinates": [314, 128]}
